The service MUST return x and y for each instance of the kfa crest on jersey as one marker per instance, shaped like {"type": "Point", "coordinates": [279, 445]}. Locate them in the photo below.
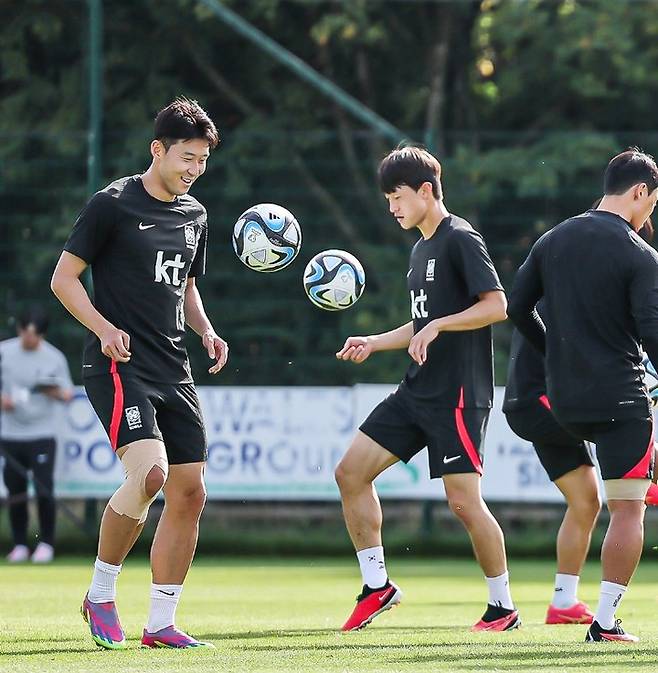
{"type": "Point", "coordinates": [191, 236]}
{"type": "Point", "coordinates": [429, 271]}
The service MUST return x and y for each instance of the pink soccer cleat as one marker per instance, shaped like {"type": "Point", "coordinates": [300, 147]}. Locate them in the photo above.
{"type": "Point", "coordinates": [498, 619]}
{"type": "Point", "coordinates": [171, 637]}
{"type": "Point", "coordinates": [370, 603]}
{"type": "Point", "coordinates": [579, 613]}
{"type": "Point", "coordinates": [104, 624]}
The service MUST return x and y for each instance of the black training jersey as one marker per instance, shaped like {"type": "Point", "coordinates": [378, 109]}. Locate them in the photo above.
{"type": "Point", "coordinates": [447, 272]}
{"type": "Point", "coordinates": [526, 374]}
{"type": "Point", "coordinates": [141, 251]}
{"type": "Point", "coordinates": [599, 281]}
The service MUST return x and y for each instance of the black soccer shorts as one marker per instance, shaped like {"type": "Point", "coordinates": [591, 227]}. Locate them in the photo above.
{"type": "Point", "coordinates": [558, 451]}
{"type": "Point", "coordinates": [132, 408]}
{"type": "Point", "coordinates": [624, 448]}
{"type": "Point", "coordinates": [454, 437]}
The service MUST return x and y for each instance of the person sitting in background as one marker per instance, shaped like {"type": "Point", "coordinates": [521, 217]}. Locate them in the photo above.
{"type": "Point", "coordinates": [35, 379]}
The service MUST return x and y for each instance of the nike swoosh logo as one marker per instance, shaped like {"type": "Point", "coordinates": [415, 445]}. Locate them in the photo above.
{"type": "Point", "coordinates": [143, 226]}
{"type": "Point", "coordinates": [166, 593]}
{"type": "Point", "coordinates": [575, 620]}
{"type": "Point", "coordinates": [409, 273]}
{"type": "Point", "coordinates": [447, 460]}
{"type": "Point", "coordinates": [386, 595]}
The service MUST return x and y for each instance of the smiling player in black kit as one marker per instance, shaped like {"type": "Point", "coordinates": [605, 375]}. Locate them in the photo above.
{"type": "Point", "coordinates": [145, 239]}
{"type": "Point", "coordinates": [444, 401]}
{"type": "Point", "coordinates": [598, 281]}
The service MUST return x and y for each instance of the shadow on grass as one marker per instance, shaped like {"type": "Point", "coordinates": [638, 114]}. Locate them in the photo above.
{"type": "Point", "coordinates": [346, 637]}
{"type": "Point", "coordinates": [49, 650]}
{"type": "Point", "coordinates": [519, 656]}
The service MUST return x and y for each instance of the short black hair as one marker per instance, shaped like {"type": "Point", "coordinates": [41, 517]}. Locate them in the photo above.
{"type": "Point", "coordinates": [410, 166]}
{"type": "Point", "coordinates": [184, 119]}
{"type": "Point", "coordinates": [34, 315]}
{"type": "Point", "coordinates": [630, 168]}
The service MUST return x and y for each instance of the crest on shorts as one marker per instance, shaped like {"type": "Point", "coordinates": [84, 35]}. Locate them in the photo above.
{"type": "Point", "coordinates": [133, 418]}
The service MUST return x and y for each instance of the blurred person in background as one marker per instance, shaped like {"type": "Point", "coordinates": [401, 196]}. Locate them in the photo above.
{"type": "Point", "coordinates": [35, 381]}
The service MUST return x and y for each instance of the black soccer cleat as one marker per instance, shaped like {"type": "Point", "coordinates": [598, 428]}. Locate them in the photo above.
{"type": "Point", "coordinates": [597, 634]}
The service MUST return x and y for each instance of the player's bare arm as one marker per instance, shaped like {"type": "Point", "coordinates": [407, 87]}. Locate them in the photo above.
{"type": "Point", "coordinates": [490, 308]}
{"type": "Point", "coordinates": [196, 318]}
{"type": "Point", "coordinates": [359, 348]}
{"type": "Point", "coordinates": [68, 288]}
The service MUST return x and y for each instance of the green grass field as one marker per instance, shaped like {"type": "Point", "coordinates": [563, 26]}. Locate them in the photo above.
{"type": "Point", "coordinates": [274, 615]}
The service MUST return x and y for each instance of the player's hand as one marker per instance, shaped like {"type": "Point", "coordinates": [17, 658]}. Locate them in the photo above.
{"type": "Point", "coordinates": [115, 344]}
{"type": "Point", "coordinates": [6, 403]}
{"type": "Point", "coordinates": [357, 349]}
{"type": "Point", "coordinates": [217, 350]}
{"type": "Point", "coordinates": [420, 341]}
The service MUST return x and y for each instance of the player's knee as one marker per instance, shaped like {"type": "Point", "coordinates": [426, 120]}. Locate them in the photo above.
{"type": "Point", "coordinates": [340, 475]}
{"type": "Point", "coordinates": [197, 499]}
{"type": "Point", "coordinates": [465, 508]}
{"type": "Point", "coordinates": [590, 506]}
{"type": "Point", "coordinates": [346, 478]}
{"type": "Point", "coordinates": [155, 480]}
{"type": "Point", "coordinates": [188, 501]}
{"type": "Point", "coordinates": [146, 468]}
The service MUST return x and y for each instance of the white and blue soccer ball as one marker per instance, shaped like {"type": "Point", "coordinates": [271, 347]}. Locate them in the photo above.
{"type": "Point", "coordinates": [334, 280]}
{"type": "Point", "coordinates": [267, 237]}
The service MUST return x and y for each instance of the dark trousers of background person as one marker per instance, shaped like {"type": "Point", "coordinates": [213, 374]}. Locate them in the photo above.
{"type": "Point", "coordinates": [38, 457]}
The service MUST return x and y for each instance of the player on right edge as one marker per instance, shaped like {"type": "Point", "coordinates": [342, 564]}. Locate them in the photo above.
{"type": "Point", "coordinates": [599, 283]}
{"type": "Point", "coordinates": [443, 402]}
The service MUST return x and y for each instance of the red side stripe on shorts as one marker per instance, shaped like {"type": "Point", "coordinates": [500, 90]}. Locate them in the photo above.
{"type": "Point", "coordinates": [117, 408]}
{"type": "Point", "coordinates": [545, 401]}
{"type": "Point", "coordinates": [464, 436]}
{"type": "Point", "coordinates": [641, 470]}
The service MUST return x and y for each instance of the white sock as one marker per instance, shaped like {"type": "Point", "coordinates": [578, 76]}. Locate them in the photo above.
{"type": "Point", "coordinates": [373, 568]}
{"type": "Point", "coordinates": [103, 588]}
{"type": "Point", "coordinates": [566, 590]}
{"type": "Point", "coordinates": [499, 593]}
{"type": "Point", "coordinates": [609, 600]}
{"type": "Point", "coordinates": [164, 601]}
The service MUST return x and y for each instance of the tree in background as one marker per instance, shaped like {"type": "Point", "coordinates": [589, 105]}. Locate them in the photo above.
{"type": "Point", "coordinates": [523, 101]}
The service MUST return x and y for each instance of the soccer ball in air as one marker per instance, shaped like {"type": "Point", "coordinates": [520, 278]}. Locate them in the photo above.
{"type": "Point", "coordinates": [267, 237]}
{"type": "Point", "coordinates": [334, 280]}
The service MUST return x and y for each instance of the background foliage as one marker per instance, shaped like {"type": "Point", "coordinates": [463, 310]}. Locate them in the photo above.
{"type": "Point", "coordinates": [524, 101]}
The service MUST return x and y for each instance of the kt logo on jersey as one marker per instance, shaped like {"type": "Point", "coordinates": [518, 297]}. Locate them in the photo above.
{"type": "Point", "coordinates": [418, 308]}
{"type": "Point", "coordinates": [166, 270]}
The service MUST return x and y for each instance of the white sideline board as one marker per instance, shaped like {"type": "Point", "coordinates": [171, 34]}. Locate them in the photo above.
{"type": "Point", "coordinates": [283, 443]}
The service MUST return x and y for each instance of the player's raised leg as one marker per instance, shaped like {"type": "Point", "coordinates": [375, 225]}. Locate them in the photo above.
{"type": "Point", "coordinates": [363, 462]}
{"type": "Point", "coordinates": [172, 553]}
{"type": "Point", "coordinates": [145, 466]}
{"type": "Point", "coordinates": [465, 500]}
{"type": "Point", "coordinates": [580, 490]}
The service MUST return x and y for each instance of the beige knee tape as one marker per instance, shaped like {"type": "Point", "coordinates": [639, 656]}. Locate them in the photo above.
{"type": "Point", "coordinates": [138, 460]}
{"type": "Point", "coordinates": [626, 489]}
